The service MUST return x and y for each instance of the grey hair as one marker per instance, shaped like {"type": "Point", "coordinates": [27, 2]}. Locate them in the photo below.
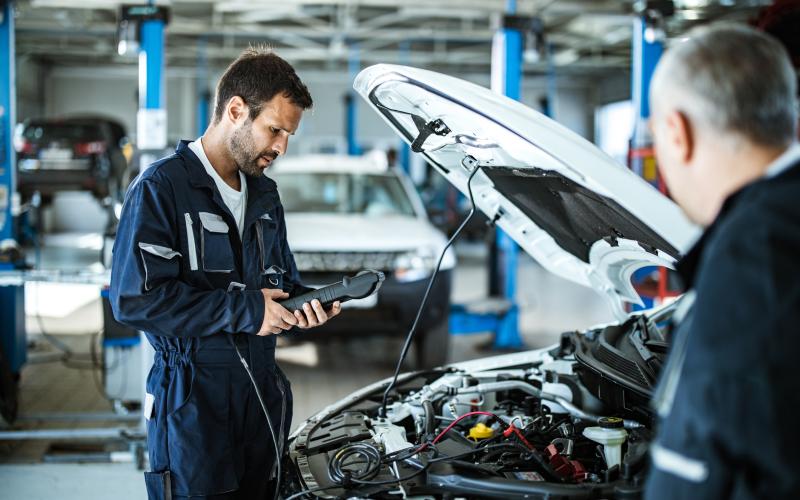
{"type": "Point", "coordinates": [734, 79]}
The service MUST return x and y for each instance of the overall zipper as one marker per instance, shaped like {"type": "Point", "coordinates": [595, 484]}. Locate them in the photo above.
{"type": "Point", "coordinates": [283, 412]}
{"type": "Point", "coordinates": [190, 239]}
{"type": "Point", "coordinates": [260, 238]}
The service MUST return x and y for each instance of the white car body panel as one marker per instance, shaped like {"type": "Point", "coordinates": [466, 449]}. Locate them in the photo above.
{"type": "Point", "coordinates": [498, 131]}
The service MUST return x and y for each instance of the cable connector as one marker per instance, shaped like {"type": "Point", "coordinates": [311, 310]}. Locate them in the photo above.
{"type": "Point", "coordinates": [513, 430]}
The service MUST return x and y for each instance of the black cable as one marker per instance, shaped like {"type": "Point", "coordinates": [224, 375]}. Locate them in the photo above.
{"type": "Point", "coordinates": [370, 455]}
{"type": "Point", "coordinates": [393, 481]}
{"type": "Point", "coordinates": [432, 279]}
{"type": "Point", "coordinates": [266, 414]}
{"type": "Point", "coordinates": [471, 452]}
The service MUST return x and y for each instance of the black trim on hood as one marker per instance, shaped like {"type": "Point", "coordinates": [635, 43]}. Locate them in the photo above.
{"type": "Point", "coordinates": [573, 215]}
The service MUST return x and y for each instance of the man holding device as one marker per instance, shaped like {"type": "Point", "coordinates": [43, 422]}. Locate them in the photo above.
{"type": "Point", "coordinates": [200, 265]}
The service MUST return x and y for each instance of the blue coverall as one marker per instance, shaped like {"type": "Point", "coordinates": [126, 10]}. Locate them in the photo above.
{"type": "Point", "coordinates": [182, 274]}
{"type": "Point", "coordinates": [730, 391]}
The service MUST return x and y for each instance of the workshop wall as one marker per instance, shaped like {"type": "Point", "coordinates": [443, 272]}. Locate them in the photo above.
{"type": "Point", "coordinates": [31, 96]}
{"type": "Point", "coordinates": [112, 91]}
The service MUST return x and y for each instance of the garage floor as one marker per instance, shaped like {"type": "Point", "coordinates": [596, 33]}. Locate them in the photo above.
{"type": "Point", "coordinates": [319, 374]}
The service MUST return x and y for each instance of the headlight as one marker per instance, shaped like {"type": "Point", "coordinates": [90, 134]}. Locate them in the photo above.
{"type": "Point", "coordinates": [414, 265]}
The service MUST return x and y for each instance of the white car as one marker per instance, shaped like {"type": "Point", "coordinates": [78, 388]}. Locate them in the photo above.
{"type": "Point", "coordinates": [570, 421]}
{"type": "Point", "coordinates": [345, 214]}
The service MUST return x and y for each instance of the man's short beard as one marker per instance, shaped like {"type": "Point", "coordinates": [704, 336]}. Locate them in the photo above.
{"type": "Point", "coordinates": [243, 151]}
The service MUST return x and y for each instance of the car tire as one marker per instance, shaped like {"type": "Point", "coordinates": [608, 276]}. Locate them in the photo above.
{"type": "Point", "coordinates": [433, 345]}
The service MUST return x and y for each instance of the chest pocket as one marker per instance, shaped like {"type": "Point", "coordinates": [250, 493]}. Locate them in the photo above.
{"type": "Point", "coordinates": [270, 255]}
{"type": "Point", "coordinates": [215, 246]}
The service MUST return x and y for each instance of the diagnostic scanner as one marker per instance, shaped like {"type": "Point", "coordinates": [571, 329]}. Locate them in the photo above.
{"type": "Point", "coordinates": [359, 286]}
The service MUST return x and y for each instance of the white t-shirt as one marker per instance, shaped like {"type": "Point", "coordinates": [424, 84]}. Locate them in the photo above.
{"type": "Point", "coordinates": [236, 201]}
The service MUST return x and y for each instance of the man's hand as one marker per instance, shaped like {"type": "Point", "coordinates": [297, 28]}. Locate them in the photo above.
{"type": "Point", "coordinates": [276, 317]}
{"type": "Point", "coordinates": [315, 315]}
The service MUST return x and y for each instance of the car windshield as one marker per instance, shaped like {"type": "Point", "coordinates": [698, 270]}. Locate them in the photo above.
{"type": "Point", "coordinates": [365, 194]}
{"type": "Point", "coordinates": [45, 133]}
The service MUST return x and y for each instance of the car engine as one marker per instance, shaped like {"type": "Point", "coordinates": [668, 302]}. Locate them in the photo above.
{"type": "Point", "coordinates": [571, 421]}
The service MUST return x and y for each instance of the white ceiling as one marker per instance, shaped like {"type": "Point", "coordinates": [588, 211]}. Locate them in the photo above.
{"type": "Point", "coordinates": [584, 36]}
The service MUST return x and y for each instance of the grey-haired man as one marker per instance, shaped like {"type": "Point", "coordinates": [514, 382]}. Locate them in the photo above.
{"type": "Point", "coordinates": [724, 124]}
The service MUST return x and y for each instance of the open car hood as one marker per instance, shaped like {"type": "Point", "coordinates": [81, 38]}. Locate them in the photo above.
{"type": "Point", "coordinates": [570, 206]}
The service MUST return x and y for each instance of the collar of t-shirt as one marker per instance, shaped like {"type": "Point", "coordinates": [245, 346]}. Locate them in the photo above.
{"type": "Point", "coordinates": [788, 158]}
{"type": "Point", "coordinates": [236, 201]}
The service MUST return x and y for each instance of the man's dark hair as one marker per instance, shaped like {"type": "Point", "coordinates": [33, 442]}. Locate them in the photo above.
{"type": "Point", "coordinates": [257, 76]}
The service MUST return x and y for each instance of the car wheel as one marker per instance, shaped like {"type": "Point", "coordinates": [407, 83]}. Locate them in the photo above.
{"type": "Point", "coordinates": [433, 345]}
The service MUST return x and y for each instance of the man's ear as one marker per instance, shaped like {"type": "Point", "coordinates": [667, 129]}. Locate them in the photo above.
{"type": "Point", "coordinates": [236, 109]}
{"type": "Point", "coordinates": [681, 134]}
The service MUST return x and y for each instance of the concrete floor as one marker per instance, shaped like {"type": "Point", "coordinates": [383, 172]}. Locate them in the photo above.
{"type": "Point", "coordinates": [319, 375]}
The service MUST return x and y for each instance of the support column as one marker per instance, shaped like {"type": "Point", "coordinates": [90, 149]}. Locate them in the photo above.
{"type": "Point", "coordinates": [405, 149]}
{"type": "Point", "coordinates": [201, 83]}
{"type": "Point", "coordinates": [151, 120]}
{"type": "Point", "coordinates": [507, 79]}
{"type": "Point", "coordinates": [12, 298]}
{"type": "Point", "coordinates": [647, 50]}
{"type": "Point", "coordinates": [351, 104]}
{"type": "Point", "coordinates": [8, 118]}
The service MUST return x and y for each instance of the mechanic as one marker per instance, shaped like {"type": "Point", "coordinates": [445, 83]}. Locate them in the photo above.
{"type": "Point", "coordinates": [201, 258]}
{"type": "Point", "coordinates": [724, 118]}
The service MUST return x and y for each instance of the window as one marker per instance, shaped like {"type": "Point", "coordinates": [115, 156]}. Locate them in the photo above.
{"type": "Point", "coordinates": [363, 194]}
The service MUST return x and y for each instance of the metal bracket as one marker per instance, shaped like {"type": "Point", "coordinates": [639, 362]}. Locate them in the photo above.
{"type": "Point", "coordinates": [426, 129]}
{"type": "Point", "coordinates": [470, 163]}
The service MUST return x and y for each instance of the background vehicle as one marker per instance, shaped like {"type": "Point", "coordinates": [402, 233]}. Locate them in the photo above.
{"type": "Point", "coordinates": [71, 154]}
{"type": "Point", "coordinates": [345, 214]}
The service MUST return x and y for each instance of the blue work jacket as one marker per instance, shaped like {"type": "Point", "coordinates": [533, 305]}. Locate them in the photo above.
{"type": "Point", "coordinates": [182, 274]}
{"type": "Point", "coordinates": [729, 393]}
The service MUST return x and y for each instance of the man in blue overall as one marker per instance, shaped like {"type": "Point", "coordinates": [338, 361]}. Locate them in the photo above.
{"type": "Point", "coordinates": [200, 263]}
{"type": "Point", "coordinates": [724, 120]}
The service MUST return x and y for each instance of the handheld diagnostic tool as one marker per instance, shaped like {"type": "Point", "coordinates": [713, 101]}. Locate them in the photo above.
{"type": "Point", "coordinates": [359, 286]}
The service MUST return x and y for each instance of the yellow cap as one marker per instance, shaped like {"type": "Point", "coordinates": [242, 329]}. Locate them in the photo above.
{"type": "Point", "coordinates": [480, 431]}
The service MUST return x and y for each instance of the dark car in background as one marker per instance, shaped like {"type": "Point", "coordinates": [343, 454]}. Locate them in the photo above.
{"type": "Point", "coordinates": [71, 154]}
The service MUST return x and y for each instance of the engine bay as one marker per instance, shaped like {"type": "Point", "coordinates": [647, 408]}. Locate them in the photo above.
{"type": "Point", "coordinates": [571, 421]}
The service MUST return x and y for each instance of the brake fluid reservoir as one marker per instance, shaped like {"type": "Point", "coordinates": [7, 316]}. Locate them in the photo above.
{"type": "Point", "coordinates": [612, 435]}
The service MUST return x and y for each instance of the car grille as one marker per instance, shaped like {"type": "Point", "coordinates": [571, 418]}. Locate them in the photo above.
{"type": "Point", "coordinates": [345, 261]}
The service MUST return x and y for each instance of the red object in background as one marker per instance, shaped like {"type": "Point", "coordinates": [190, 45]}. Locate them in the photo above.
{"type": "Point", "coordinates": [781, 20]}
{"type": "Point", "coordinates": [26, 148]}
{"type": "Point", "coordinates": [565, 467]}
{"type": "Point", "coordinates": [645, 158]}
{"type": "Point", "coordinates": [89, 148]}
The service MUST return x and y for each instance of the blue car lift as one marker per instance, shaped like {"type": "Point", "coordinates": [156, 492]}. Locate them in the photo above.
{"type": "Point", "coordinates": [503, 317]}
{"type": "Point", "coordinates": [350, 103]}
{"type": "Point", "coordinates": [152, 138]}
{"type": "Point", "coordinates": [12, 298]}
{"type": "Point", "coordinates": [201, 87]}
{"type": "Point", "coordinates": [647, 49]}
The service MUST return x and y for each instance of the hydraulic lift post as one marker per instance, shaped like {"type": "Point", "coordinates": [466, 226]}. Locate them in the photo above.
{"type": "Point", "coordinates": [12, 298]}
{"type": "Point", "coordinates": [500, 314]}
{"type": "Point", "coordinates": [201, 86]}
{"type": "Point", "coordinates": [647, 48]}
{"type": "Point", "coordinates": [507, 79]}
{"type": "Point", "coordinates": [350, 103]}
